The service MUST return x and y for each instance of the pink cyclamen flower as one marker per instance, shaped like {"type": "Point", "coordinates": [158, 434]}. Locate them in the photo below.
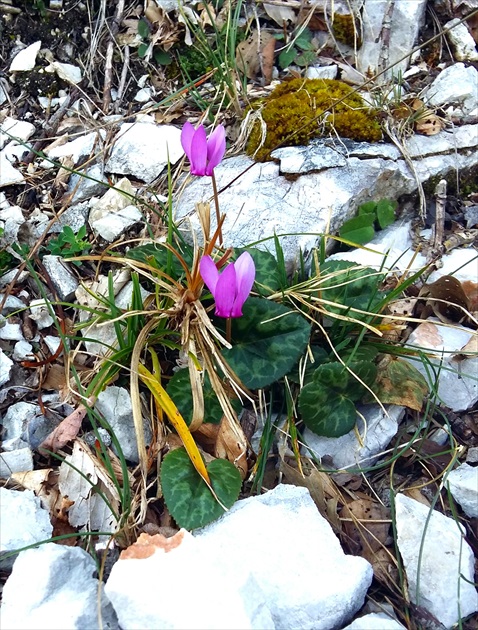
{"type": "Point", "coordinates": [203, 153]}
{"type": "Point", "coordinates": [230, 288]}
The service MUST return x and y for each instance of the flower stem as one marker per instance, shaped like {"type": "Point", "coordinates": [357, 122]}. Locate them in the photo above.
{"type": "Point", "coordinates": [216, 203]}
{"type": "Point", "coordinates": [228, 329]}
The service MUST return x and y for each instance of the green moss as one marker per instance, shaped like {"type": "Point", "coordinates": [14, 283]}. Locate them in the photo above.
{"type": "Point", "coordinates": [293, 115]}
{"type": "Point", "coordinates": [345, 30]}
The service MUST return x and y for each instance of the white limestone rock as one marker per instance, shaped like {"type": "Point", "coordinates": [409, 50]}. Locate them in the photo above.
{"type": "Point", "coordinates": [11, 332]}
{"type": "Point", "coordinates": [375, 621]}
{"type": "Point", "coordinates": [260, 198]}
{"type": "Point", "coordinates": [346, 451]}
{"type": "Point", "coordinates": [113, 225]}
{"type": "Point", "coordinates": [133, 589]}
{"type": "Point", "coordinates": [67, 71]}
{"type": "Point", "coordinates": [457, 85]}
{"type": "Point", "coordinates": [143, 149]}
{"type": "Point", "coordinates": [463, 482]}
{"type": "Point", "coordinates": [82, 147]}
{"type": "Point", "coordinates": [23, 350]}
{"type": "Point", "coordinates": [456, 380]}
{"type": "Point", "coordinates": [406, 20]}
{"type": "Point", "coordinates": [6, 365]}
{"type": "Point", "coordinates": [53, 587]}
{"type": "Point", "coordinates": [62, 277]}
{"type": "Point", "coordinates": [434, 555]}
{"type": "Point", "coordinates": [40, 314]}
{"type": "Point", "coordinates": [114, 403]}
{"type": "Point", "coordinates": [19, 129]}
{"type": "Point", "coordinates": [23, 523]}
{"type": "Point", "coordinates": [25, 60]}
{"type": "Point", "coordinates": [461, 41]}
{"type": "Point", "coordinates": [19, 460]}
{"type": "Point", "coordinates": [321, 587]}
{"type": "Point", "coordinates": [9, 175]}
{"type": "Point", "coordinates": [15, 424]}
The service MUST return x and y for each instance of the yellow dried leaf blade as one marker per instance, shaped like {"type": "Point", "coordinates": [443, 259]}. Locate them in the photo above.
{"type": "Point", "coordinates": [170, 409]}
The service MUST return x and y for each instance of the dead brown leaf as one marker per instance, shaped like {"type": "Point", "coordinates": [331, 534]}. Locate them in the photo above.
{"type": "Point", "coordinates": [367, 524]}
{"type": "Point", "coordinates": [225, 441]}
{"type": "Point", "coordinates": [66, 431]}
{"type": "Point", "coordinates": [253, 52]}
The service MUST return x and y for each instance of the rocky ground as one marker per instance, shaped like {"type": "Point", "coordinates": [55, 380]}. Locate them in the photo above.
{"type": "Point", "coordinates": [92, 100]}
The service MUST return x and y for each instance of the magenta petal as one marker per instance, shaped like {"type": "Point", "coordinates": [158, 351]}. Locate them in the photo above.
{"type": "Point", "coordinates": [187, 134]}
{"type": "Point", "coordinates": [198, 157]}
{"type": "Point", "coordinates": [225, 291]}
{"type": "Point", "coordinates": [245, 276]}
{"type": "Point", "coordinates": [209, 273]}
{"type": "Point", "coordinates": [216, 147]}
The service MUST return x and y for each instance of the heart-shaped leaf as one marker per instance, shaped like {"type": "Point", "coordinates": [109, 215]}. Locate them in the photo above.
{"type": "Point", "coordinates": [327, 404]}
{"type": "Point", "coordinates": [187, 496]}
{"type": "Point", "coordinates": [268, 339]}
{"type": "Point", "coordinates": [399, 383]}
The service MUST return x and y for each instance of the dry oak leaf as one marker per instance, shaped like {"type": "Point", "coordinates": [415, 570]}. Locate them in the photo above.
{"type": "Point", "coordinates": [66, 431]}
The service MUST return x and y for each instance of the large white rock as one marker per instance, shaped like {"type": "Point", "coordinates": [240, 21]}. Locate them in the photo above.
{"type": "Point", "coordinates": [143, 149]}
{"type": "Point", "coordinates": [383, 47]}
{"type": "Point", "coordinates": [434, 555]}
{"type": "Point", "coordinates": [23, 523]}
{"type": "Point", "coordinates": [317, 585]}
{"type": "Point", "coordinates": [15, 424]}
{"type": "Point", "coordinates": [461, 41]}
{"type": "Point", "coordinates": [304, 195]}
{"type": "Point", "coordinates": [52, 587]}
{"type": "Point", "coordinates": [463, 483]}
{"type": "Point", "coordinates": [346, 451]}
{"type": "Point", "coordinates": [215, 600]}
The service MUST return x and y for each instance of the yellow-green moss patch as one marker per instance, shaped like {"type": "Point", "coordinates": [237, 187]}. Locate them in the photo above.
{"type": "Point", "coordinates": [302, 109]}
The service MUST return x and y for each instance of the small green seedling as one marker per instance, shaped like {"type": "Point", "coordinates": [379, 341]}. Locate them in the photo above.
{"type": "Point", "coordinates": [69, 244]}
{"type": "Point", "coordinates": [301, 51]}
{"type": "Point", "coordinates": [371, 216]}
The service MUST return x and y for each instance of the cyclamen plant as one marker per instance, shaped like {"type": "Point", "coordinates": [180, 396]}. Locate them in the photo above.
{"type": "Point", "coordinates": [204, 154]}
{"type": "Point", "coordinates": [231, 288]}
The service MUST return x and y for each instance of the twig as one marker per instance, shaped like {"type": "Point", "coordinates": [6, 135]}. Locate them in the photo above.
{"type": "Point", "coordinates": [438, 231]}
{"type": "Point", "coordinates": [122, 83]}
{"type": "Point", "coordinates": [51, 127]}
{"type": "Point", "coordinates": [109, 55]}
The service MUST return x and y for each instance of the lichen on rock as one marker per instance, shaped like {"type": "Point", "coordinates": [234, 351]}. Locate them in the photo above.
{"type": "Point", "coordinates": [302, 109]}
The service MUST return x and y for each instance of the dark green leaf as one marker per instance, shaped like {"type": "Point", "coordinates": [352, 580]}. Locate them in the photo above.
{"type": "Point", "coordinates": [325, 412]}
{"type": "Point", "coordinates": [162, 58]}
{"type": "Point", "coordinates": [386, 212]}
{"type": "Point", "coordinates": [268, 339]}
{"type": "Point", "coordinates": [306, 59]}
{"type": "Point", "coordinates": [267, 270]}
{"type": "Point", "coordinates": [188, 498]}
{"type": "Point", "coordinates": [142, 50]}
{"type": "Point", "coordinates": [179, 388]}
{"type": "Point", "coordinates": [287, 57]}
{"type": "Point", "coordinates": [350, 286]}
{"type": "Point", "coordinates": [369, 207]}
{"type": "Point", "coordinates": [359, 230]}
{"type": "Point", "coordinates": [143, 29]}
{"type": "Point", "coordinates": [304, 40]}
